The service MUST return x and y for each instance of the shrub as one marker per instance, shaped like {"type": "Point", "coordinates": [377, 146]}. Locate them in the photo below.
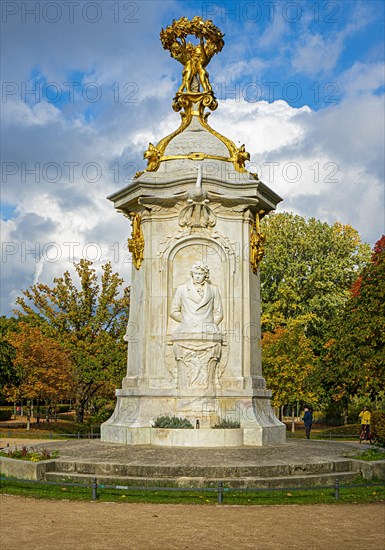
{"type": "Point", "coordinates": [225, 423]}
{"type": "Point", "coordinates": [378, 426]}
{"type": "Point", "coordinates": [167, 421]}
{"type": "Point", "coordinates": [5, 414]}
{"type": "Point", "coordinates": [30, 454]}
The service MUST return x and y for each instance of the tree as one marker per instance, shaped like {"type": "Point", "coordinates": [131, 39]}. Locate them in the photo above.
{"type": "Point", "coordinates": [43, 368]}
{"type": "Point", "coordinates": [288, 363]}
{"type": "Point", "coordinates": [308, 268]}
{"type": "Point", "coordinates": [7, 352]}
{"type": "Point", "coordinates": [88, 321]}
{"type": "Point", "coordinates": [355, 355]}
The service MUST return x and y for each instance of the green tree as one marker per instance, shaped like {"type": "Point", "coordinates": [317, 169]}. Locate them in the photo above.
{"type": "Point", "coordinates": [308, 268]}
{"type": "Point", "coordinates": [355, 355]}
{"type": "Point", "coordinates": [89, 320]}
{"type": "Point", "coordinates": [7, 351]}
{"type": "Point", "coordinates": [288, 364]}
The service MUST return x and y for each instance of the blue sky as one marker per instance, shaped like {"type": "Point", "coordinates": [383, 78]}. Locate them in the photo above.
{"type": "Point", "coordinates": [86, 86]}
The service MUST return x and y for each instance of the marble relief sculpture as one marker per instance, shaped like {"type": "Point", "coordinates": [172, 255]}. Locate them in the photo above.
{"type": "Point", "coordinates": [197, 306]}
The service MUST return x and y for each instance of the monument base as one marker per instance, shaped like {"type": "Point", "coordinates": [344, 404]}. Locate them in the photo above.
{"type": "Point", "coordinates": [134, 415]}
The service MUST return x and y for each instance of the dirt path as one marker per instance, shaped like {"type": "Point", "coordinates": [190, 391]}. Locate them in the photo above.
{"type": "Point", "coordinates": [63, 525]}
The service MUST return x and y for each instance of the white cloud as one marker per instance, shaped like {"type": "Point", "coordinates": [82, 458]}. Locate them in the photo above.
{"type": "Point", "coordinates": [327, 163]}
{"type": "Point", "coordinates": [362, 78]}
{"type": "Point", "coordinates": [17, 113]}
{"type": "Point", "coordinates": [70, 215]}
{"type": "Point", "coordinates": [317, 54]}
{"type": "Point", "coordinates": [263, 126]}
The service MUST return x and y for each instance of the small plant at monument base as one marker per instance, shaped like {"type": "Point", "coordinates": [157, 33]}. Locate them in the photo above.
{"type": "Point", "coordinates": [173, 422]}
{"type": "Point", "coordinates": [31, 454]}
{"type": "Point", "coordinates": [226, 424]}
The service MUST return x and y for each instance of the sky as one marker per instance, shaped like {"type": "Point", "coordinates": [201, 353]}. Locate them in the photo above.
{"type": "Point", "coordinates": [87, 85]}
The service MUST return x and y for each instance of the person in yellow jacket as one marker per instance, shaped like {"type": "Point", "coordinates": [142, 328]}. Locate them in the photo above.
{"type": "Point", "coordinates": [365, 416]}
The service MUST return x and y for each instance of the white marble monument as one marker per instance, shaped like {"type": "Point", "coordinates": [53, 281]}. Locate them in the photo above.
{"type": "Point", "coordinates": [193, 335]}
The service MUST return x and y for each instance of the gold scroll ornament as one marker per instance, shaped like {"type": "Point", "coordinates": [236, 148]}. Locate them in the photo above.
{"type": "Point", "coordinates": [257, 242]}
{"type": "Point", "coordinates": [136, 242]}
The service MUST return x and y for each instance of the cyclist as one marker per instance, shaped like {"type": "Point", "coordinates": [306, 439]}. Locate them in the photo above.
{"type": "Point", "coordinates": [365, 416]}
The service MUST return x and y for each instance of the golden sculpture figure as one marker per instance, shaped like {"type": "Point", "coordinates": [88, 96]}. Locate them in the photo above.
{"type": "Point", "coordinates": [194, 58]}
{"type": "Point", "coordinates": [242, 156]}
{"type": "Point", "coordinates": [152, 155]}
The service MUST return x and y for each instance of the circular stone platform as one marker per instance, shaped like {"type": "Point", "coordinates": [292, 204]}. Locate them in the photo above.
{"type": "Point", "coordinates": [297, 463]}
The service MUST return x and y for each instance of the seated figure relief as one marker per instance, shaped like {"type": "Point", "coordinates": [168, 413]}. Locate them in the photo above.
{"type": "Point", "coordinates": [197, 306]}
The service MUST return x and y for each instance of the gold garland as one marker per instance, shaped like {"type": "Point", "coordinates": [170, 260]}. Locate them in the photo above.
{"type": "Point", "coordinates": [257, 242]}
{"type": "Point", "coordinates": [136, 242]}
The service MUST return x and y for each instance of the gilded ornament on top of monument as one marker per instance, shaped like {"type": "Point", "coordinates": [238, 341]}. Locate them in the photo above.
{"type": "Point", "coordinates": [194, 58]}
{"type": "Point", "coordinates": [195, 93]}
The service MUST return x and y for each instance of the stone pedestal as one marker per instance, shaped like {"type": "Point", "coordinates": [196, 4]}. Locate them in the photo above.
{"type": "Point", "coordinates": [193, 209]}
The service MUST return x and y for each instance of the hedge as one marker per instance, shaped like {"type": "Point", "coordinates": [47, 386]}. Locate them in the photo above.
{"type": "Point", "coordinates": [378, 426]}
{"type": "Point", "coordinates": [5, 414]}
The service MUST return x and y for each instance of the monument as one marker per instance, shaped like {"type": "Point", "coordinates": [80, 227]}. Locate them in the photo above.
{"type": "Point", "coordinates": [193, 335]}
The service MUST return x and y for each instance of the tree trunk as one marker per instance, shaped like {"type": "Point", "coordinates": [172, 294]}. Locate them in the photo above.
{"type": "Point", "coordinates": [28, 416]}
{"type": "Point", "coordinates": [293, 419]}
{"type": "Point", "coordinates": [79, 412]}
{"type": "Point", "coordinates": [346, 413]}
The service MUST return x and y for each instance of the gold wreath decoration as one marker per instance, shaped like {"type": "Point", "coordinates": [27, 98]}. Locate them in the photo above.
{"type": "Point", "coordinates": [200, 29]}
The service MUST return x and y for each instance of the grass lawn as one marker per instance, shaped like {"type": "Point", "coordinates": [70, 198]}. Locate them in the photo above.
{"type": "Point", "coordinates": [355, 494]}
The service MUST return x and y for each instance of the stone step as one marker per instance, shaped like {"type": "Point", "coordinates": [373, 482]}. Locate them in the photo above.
{"type": "Point", "coordinates": [99, 469]}
{"type": "Point", "coordinates": [312, 480]}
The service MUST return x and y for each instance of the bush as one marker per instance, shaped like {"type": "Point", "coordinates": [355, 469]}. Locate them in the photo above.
{"type": "Point", "coordinates": [63, 408]}
{"type": "Point", "coordinates": [175, 422]}
{"type": "Point", "coordinates": [378, 426]}
{"type": "Point", "coordinates": [5, 414]}
{"type": "Point", "coordinates": [225, 424]}
{"type": "Point", "coordinates": [30, 454]}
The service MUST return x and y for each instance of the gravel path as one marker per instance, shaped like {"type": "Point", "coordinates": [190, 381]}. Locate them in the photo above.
{"type": "Point", "coordinates": [64, 525]}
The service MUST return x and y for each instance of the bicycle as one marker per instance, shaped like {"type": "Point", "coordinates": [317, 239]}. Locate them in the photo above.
{"type": "Point", "coordinates": [367, 435]}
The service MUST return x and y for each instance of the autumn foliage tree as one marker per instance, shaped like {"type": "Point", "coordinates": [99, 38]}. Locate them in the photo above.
{"type": "Point", "coordinates": [307, 272]}
{"type": "Point", "coordinates": [288, 364]}
{"type": "Point", "coordinates": [355, 353]}
{"type": "Point", "coordinates": [89, 320]}
{"type": "Point", "coordinates": [43, 367]}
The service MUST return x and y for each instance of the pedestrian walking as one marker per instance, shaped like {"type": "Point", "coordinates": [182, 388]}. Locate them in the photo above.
{"type": "Point", "coordinates": [308, 421]}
